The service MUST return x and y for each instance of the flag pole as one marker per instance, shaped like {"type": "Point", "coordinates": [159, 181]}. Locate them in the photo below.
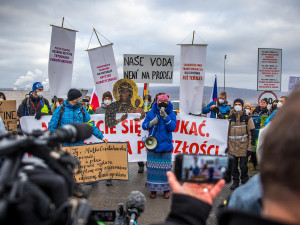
{"type": "Point", "coordinates": [97, 36]}
{"type": "Point", "coordinates": [62, 24]}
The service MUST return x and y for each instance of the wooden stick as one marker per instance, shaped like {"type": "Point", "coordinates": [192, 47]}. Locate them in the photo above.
{"type": "Point", "coordinates": [97, 36]}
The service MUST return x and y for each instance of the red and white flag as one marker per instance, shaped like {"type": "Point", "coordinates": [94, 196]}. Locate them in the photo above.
{"type": "Point", "coordinates": [94, 102]}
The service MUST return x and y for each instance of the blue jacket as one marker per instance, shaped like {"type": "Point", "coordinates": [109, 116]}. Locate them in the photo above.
{"type": "Point", "coordinates": [72, 114]}
{"type": "Point", "coordinates": [163, 130]}
{"type": "Point", "coordinates": [224, 109]}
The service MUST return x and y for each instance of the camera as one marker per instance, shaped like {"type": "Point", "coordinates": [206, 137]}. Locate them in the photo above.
{"type": "Point", "coordinates": [202, 168]}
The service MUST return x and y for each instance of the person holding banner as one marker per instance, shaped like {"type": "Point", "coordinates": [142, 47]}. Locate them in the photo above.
{"type": "Point", "coordinates": [35, 105]}
{"type": "Point", "coordinates": [241, 142]}
{"type": "Point", "coordinates": [72, 111]}
{"type": "Point", "coordinates": [161, 122]}
{"type": "Point", "coordinates": [218, 109]}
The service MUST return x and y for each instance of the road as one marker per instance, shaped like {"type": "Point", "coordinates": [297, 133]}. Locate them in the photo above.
{"type": "Point", "coordinates": [108, 197]}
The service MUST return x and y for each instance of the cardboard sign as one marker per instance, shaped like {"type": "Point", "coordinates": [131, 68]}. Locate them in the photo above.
{"type": "Point", "coordinates": [8, 114]}
{"type": "Point", "coordinates": [149, 68]}
{"type": "Point", "coordinates": [100, 161]}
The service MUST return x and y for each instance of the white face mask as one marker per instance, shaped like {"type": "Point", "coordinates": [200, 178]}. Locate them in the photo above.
{"type": "Point", "coordinates": [237, 108]}
{"type": "Point", "coordinates": [279, 105]}
{"type": "Point", "coordinates": [40, 93]}
{"type": "Point", "coordinates": [247, 111]}
{"type": "Point", "coordinates": [221, 101]}
{"type": "Point", "coordinates": [107, 102]}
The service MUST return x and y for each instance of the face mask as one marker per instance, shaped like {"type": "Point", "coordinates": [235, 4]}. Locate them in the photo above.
{"type": "Point", "coordinates": [279, 105]}
{"type": "Point", "coordinates": [247, 111]}
{"type": "Point", "coordinates": [107, 102]}
{"type": "Point", "coordinates": [1, 99]}
{"type": "Point", "coordinates": [221, 101]}
{"type": "Point", "coordinates": [237, 108]}
{"type": "Point", "coordinates": [162, 104]}
{"type": "Point", "coordinates": [79, 101]}
{"type": "Point", "coordinates": [40, 93]}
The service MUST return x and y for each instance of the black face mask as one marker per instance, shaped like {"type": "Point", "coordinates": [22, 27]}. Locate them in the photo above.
{"type": "Point", "coordinates": [163, 104]}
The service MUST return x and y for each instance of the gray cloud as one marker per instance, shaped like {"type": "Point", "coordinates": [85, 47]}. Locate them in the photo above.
{"type": "Point", "coordinates": [235, 28]}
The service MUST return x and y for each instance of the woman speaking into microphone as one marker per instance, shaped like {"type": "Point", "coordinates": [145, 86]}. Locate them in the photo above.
{"type": "Point", "coordinates": [161, 122]}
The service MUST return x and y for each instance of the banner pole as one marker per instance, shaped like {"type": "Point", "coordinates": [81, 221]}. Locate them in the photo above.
{"type": "Point", "coordinates": [193, 37]}
{"type": "Point", "coordinates": [63, 20]}
{"type": "Point", "coordinates": [97, 36]}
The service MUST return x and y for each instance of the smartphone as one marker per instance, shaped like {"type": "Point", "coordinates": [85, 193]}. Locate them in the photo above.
{"type": "Point", "coordinates": [202, 168]}
{"type": "Point", "coordinates": [104, 215]}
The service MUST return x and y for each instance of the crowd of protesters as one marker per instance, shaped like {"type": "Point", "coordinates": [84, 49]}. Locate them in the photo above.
{"type": "Point", "coordinates": [259, 199]}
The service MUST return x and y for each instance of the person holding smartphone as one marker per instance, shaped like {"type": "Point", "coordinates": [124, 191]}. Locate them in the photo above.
{"type": "Point", "coordinates": [161, 122]}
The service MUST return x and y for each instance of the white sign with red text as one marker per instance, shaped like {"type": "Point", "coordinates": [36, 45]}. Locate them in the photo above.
{"type": "Point", "coordinates": [193, 135]}
{"type": "Point", "coordinates": [61, 59]}
{"type": "Point", "coordinates": [104, 69]}
{"type": "Point", "coordinates": [192, 74]}
{"type": "Point", "coordinates": [269, 69]}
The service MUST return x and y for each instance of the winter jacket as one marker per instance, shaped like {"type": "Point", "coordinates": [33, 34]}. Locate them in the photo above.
{"type": "Point", "coordinates": [162, 131]}
{"type": "Point", "coordinates": [224, 110]}
{"type": "Point", "coordinates": [260, 112]}
{"type": "Point", "coordinates": [31, 105]}
{"type": "Point", "coordinates": [101, 109]}
{"type": "Point", "coordinates": [73, 114]}
{"type": "Point", "coordinates": [241, 134]}
{"type": "Point", "coordinates": [188, 210]}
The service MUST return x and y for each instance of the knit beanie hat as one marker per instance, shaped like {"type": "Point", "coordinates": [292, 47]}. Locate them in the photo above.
{"type": "Point", "coordinates": [247, 105]}
{"type": "Point", "coordinates": [240, 101]}
{"type": "Point", "coordinates": [37, 85]}
{"type": "Point", "coordinates": [73, 94]}
{"type": "Point", "coordinates": [106, 94]}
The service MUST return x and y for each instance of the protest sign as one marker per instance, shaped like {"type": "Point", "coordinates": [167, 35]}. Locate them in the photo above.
{"type": "Point", "coordinates": [293, 81]}
{"type": "Point", "coordinates": [61, 58]}
{"type": "Point", "coordinates": [193, 135]}
{"type": "Point", "coordinates": [8, 114]}
{"type": "Point", "coordinates": [104, 68]}
{"type": "Point", "coordinates": [192, 74]}
{"type": "Point", "coordinates": [149, 68]}
{"type": "Point", "coordinates": [100, 161]}
{"type": "Point", "coordinates": [269, 69]}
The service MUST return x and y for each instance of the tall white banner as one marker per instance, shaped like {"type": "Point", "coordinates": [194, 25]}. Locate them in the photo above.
{"type": "Point", "coordinates": [104, 69]}
{"type": "Point", "coordinates": [192, 74]}
{"type": "Point", "coordinates": [61, 59]}
{"type": "Point", "coordinates": [193, 135]}
{"type": "Point", "coordinates": [269, 69]}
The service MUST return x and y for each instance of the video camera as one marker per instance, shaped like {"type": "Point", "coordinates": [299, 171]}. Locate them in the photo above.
{"type": "Point", "coordinates": [38, 190]}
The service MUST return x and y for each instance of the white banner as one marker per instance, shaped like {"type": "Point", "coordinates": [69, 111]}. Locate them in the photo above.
{"type": "Point", "coordinates": [269, 69]}
{"type": "Point", "coordinates": [61, 59]}
{"type": "Point", "coordinates": [293, 81]}
{"type": "Point", "coordinates": [104, 69]}
{"type": "Point", "coordinates": [149, 68]}
{"type": "Point", "coordinates": [193, 135]}
{"type": "Point", "coordinates": [192, 74]}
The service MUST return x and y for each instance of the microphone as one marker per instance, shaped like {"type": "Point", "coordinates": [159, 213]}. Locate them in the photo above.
{"type": "Point", "coordinates": [135, 205]}
{"type": "Point", "coordinates": [71, 133]}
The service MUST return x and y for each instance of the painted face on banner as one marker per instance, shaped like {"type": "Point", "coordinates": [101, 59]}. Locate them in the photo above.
{"type": "Point", "coordinates": [125, 94]}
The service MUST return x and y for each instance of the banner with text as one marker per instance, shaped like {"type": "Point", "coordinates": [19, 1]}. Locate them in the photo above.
{"type": "Point", "coordinates": [192, 74]}
{"type": "Point", "coordinates": [193, 135]}
{"type": "Point", "coordinates": [269, 69]}
{"type": "Point", "coordinates": [100, 161]}
{"type": "Point", "coordinates": [8, 114]}
{"type": "Point", "coordinates": [149, 68]}
{"type": "Point", "coordinates": [61, 58]}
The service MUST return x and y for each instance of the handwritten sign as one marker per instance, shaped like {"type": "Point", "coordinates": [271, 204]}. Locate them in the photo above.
{"type": "Point", "coordinates": [149, 68]}
{"type": "Point", "coordinates": [100, 161]}
{"type": "Point", "coordinates": [8, 114]}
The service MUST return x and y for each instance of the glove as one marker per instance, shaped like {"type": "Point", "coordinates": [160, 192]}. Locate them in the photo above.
{"type": "Point", "coordinates": [38, 115]}
{"type": "Point", "coordinates": [248, 153]}
{"type": "Point", "coordinates": [153, 122]}
{"type": "Point", "coordinates": [162, 113]}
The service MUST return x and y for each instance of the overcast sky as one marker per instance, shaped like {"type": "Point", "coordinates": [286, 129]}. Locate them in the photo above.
{"type": "Point", "coordinates": [232, 27]}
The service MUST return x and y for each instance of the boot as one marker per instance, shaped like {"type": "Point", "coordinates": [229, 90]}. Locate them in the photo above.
{"type": "Point", "coordinates": [141, 169]}
{"type": "Point", "coordinates": [153, 194]}
{"type": "Point", "coordinates": [234, 185]}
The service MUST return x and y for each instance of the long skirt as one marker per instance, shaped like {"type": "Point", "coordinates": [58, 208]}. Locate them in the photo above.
{"type": "Point", "coordinates": [157, 166]}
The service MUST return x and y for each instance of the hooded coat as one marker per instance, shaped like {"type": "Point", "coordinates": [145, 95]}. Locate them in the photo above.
{"type": "Point", "coordinates": [73, 114]}
{"type": "Point", "coordinates": [162, 131]}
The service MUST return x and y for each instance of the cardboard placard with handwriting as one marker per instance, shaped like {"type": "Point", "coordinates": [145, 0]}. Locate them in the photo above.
{"type": "Point", "coordinates": [100, 161]}
{"type": "Point", "coordinates": [8, 114]}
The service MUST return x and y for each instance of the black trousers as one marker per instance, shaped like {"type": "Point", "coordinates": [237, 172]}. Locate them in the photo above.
{"type": "Point", "coordinates": [243, 164]}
